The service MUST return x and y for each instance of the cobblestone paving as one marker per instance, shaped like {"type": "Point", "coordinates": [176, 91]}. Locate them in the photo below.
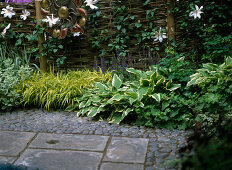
{"type": "Point", "coordinates": [162, 147]}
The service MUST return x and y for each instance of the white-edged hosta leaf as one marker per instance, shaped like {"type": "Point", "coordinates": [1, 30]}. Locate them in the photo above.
{"type": "Point", "coordinates": [228, 61]}
{"type": "Point", "coordinates": [96, 99]}
{"type": "Point", "coordinates": [82, 104]}
{"type": "Point", "coordinates": [116, 118]}
{"type": "Point", "coordinates": [160, 81]}
{"type": "Point", "coordinates": [116, 97]}
{"type": "Point", "coordinates": [132, 100]}
{"type": "Point", "coordinates": [156, 96]}
{"type": "Point", "coordinates": [168, 84]}
{"type": "Point", "coordinates": [85, 110]}
{"type": "Point", "coordinates": [174, 87]}
{"type": "Point", "coordinates": [139, 73]}
{"type": "Point", "coordinates": [79, 114]}
{"type": "Point", "coordinates": [165, 104]}
{"type": "Point", "coordinates": [116, 82]}
{"type": "Point", "coordinates": [126, 112]}
{"type": "Point", "coordinates": [92, 112]}
{"type": "Point", "coordinates": [101, 86]}
{"type": "Point", "coordinates": [141, 92]}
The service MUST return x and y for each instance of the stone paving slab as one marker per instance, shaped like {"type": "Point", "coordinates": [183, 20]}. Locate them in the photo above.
{"type": "Point", "coordinates": [121, 166]}
{"type": "Point", "coordinates": [130, 150]}
{"type": "Point", "coordinates": [69, 141]}
{"type": "Point", "coordinates": [60, 160]}
{"type": "Point", "coordinates": [6, 159]}
{"type": "Point", "coordinates": [12, 143]}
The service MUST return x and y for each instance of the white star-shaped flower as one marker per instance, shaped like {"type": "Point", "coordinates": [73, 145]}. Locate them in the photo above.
{"type": "Point", "coordinates": [76, 34]}
{"type": "Point", "coordinates": [91, 3]}
{"type": "Point", "coordinates": [8, 12]}
{"type": "Point", "coordinates": [5, 29]}
{"type": "Point", "coordinates": [25, 14]}
{"type": "Point", "coordinates": [159, 35]}
{"type": "Point", "coordinates": [197, 12]}
{"type": "Point", "coordinates": [51, 20]}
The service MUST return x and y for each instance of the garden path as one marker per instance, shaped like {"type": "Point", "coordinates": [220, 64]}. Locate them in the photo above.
{"type": "Point", "coordinates": [59, 140]}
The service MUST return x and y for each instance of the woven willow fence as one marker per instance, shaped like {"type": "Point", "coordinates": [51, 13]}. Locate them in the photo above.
{"type": "Point", "coordinates": [80, 52]}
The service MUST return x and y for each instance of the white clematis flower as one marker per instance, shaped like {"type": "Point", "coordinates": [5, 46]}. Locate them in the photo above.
{"type": "Point", "coordinates": [159, 36]}
{"type": "Point", "coordinates": [76, 34]}
{"type": "Point", "coordinates": [5, 29]}
{"type": "Point", "coordinates": [197, 12]}
{"type": "Point", "coordinates": [8, 12]}
{"type": "Point", "coordinates": [25, 14]}
{"type": "Point", "coordinates": [51, 20]}
{"type": "Point", "coordinates": [91, 3]}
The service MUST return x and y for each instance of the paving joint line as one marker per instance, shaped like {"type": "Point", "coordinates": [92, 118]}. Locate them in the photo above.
{"type": "Point", "coordinates": [105, 150]}
{"type": "Point", "coordinates": [56, 149]}
{"type": "Point", "coordinates": [26, 147]}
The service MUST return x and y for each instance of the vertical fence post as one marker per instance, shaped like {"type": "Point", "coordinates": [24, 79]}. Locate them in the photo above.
{"type": "Point", "coordinates": [39, 17]}
{"type": "Point", "coordinates": [170, 20]}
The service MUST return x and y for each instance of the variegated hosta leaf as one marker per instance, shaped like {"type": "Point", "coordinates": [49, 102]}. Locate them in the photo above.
{"type": "Point", "coordinates": [139, 73]}
{"type": "Point", "coordinates": [101, 86]}
{"type": "Point", "coordinates": [156, 96]}
{"type": "Point", "coordinates": [116, 97]}
{"type": "Point", "coordinates": [116, 82]}
{"type": "Point", "coordinates": [168, 84]}
{"type": "Point", "coordinates": [126, 112]}
{"type": "Point", "coordinates": [116, 118]}
{"type": "Point", "coordinates": [160, 81]}
{"type": "Point", "coordinates": [174, 87]}
{"type": "Point", "coordinates": [141, 92]}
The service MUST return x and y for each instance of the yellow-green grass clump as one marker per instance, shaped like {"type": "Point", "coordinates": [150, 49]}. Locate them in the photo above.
{"type": "Point", "coordinates": [58, 90]}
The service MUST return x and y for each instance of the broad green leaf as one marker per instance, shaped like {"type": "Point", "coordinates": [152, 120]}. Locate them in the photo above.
{"type": "Point", "coordinates": [79, 114]}
{"type": "Point", "coordinates": [96, 99]}
{"type": "Point", "coordinates": [141, 92]}
{"type": "Point", "coordinates": [92, 112]}
{"type": "Point", "coordinates": [132, 100]}
{"type": "Point", "coordinates": [165, 104]}
{"type": "Point", "coordinates": [82, 104]}
{"type": "Point", "coordinates": [116, 118]}
{"type": "Point", "coordinates": [160, 81]}
{"type": "Point", "coordinates": [156, 96]}
{"type": "Point", "coordinates": [132, 94]}
{"type": "Point", "coordinates": [139, 73]}
{"type": "Point", "coordinates": [116, 82]}
{"type": "Point", "coordinates": [126, 112]}
{"type": "Point", "coordinates": [85, 110]}
{"type": "Point", "coordinates": [168, 84]}
{"type": "Point", "coordinates": [116, 97]}
{"type": "Point", "coordinates": [174, 87]}
{"type": "Point", "coordinates": [228, 61]}
{"type": "Point", "coordinates": [101, 86]}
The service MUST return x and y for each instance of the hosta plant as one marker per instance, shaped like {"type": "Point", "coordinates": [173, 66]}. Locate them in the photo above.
{"type": "Point", "coordinates": [150, 94]}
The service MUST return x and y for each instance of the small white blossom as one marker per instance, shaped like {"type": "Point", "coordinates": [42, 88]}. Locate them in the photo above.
{"type": "Point", "coordinates": [25, 14]}
{"type": "Point", "coordinates": [51, 20]}
{"type": "Point", "coordinates": [91, 3]}
{"type": "Point", "coordinates": [159, 36]}
{"type": "Point", "coordinates": [5, 29]}
{"type": "Point", "coordinates": [76, 34]}
{"type": "Point", "coordinates": [8, 12]}
{"type": "Point", "coordinates": [197, 12]}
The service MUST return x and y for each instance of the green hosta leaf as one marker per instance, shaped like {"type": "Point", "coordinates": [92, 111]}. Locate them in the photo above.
{"type": "Point", "coordinates": [160, 81]}
{"type": "Point", "coordinates": [92, 112]}
{"type": "Point", "coordinates": [156, 96]}
{"type": "Point", "coordinates": [168, 84]}
{"type": "Point", "coordinates": [116, 97]}
{"type": "Point", "coordinates": [192, 82]}
{"type": "Point", "coordinates": [174, 87]}
{"type": "Point", "coordinates": [96, 99]}
{"type": "Point", "coordinates": [142, 91]}
{"type": "Point", "coordinates": [228, 61]}
{"type": "Point", "coordinates": [85, 110]}
{"type": "Point", "coordinates": [165, 104]}
{"type": "Point", "coordinates": [174, 113]}
{"type": "Point", "coordinates": [116, 118]}
{"type": "Point", "coordinates": [154, 76]}
{"type": "Point", "coordinates": [211, 66]}
{"type": "Point", "coordinates": [144, 82]}
{"type": "Point", "coordinates": [79, 114]}
{"type": "Point", "coordinates": [82, 104]}
{"type": "Point", "coordinates": [132, 100]}
{"type": "Point", "coordinates": [123, 89]}
{"type": "Point", "coordinates": [116, 82]}
{"type": "Point", "coordinates": [126, 112]}
{"type": "Point", "coordinates": [136, 72]}
{"type": "Point", "coordinates": [101, 86]}
{"type": "Point", "coordinates": [132, 94]}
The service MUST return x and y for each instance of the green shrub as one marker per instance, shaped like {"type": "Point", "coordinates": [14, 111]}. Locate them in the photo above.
{"type": "Point", "coordinates": [151, 99]}
{"type": "Point", "coordinates": [11, 75]}
{"type": "Point", "coordinates": [58, 90]}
